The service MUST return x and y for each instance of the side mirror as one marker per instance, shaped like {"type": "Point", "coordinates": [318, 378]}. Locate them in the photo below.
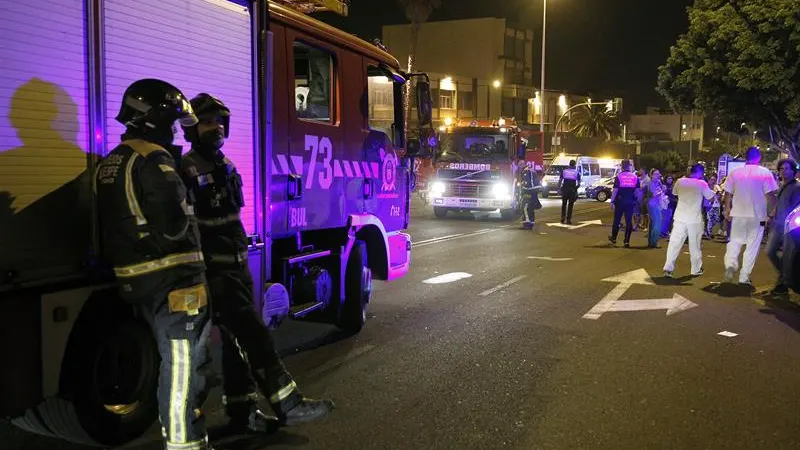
{"type": "Point", "coordinates": [413, 147]}
{"type": "Point", "coordinates": [424, 104]}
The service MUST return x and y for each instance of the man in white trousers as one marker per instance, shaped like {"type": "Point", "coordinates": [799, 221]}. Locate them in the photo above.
{"type": "Point", "coordinates": [688, 220]}
{"type": "Point", "coordinates": [751, 188]}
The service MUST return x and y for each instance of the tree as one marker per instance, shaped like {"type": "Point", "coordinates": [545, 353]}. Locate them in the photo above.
{"type": "Point", "coordinates": [417, 12]}
{"type": "Point", "coordinates": [740, 59]}
{"type": "Point", "coordinates": [668, 162]}
{"type": "Point", "coordinates": [595, 121]}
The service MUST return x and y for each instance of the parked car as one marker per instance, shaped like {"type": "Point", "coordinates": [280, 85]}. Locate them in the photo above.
{"type": "Point", "coordinates": [601, 190]}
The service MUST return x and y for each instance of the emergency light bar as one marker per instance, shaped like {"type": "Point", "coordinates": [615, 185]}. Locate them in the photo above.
{"type": "Point", "coordinates": [341, 7]}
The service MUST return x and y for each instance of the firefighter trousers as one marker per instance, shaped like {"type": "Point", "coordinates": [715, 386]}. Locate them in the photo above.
{"type": "Point", "coordinates": [568, 198]}
{"type": "Point", "coordinates": [180, 318]}
{"type": "Point", "coordinates": [250, 361]}
{"type": "Point", "coordinates": [621, 209]}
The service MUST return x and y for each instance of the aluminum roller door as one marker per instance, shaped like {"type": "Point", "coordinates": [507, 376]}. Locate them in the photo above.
{"type": "Point", "coordinates": [45, 189]}
{"type": "Point", "coordinates": [196, 45]}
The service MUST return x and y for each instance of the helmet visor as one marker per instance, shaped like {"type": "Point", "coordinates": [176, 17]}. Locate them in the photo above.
{"type": "Point", "coordinates": [186, 115]}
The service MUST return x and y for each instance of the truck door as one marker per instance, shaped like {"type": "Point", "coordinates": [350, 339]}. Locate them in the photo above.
{"type": "Point", "coordinates": [317, 192]}
{"type": "Point", "coordinates": [385, 178]}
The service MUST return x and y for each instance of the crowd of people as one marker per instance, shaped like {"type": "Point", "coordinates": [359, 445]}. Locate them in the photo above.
{"type": "Point", "coordinates": [744, 209]}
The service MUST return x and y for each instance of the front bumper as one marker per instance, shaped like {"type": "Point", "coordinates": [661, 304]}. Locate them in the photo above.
{"type": "Point", "coordinates": [472, 204]}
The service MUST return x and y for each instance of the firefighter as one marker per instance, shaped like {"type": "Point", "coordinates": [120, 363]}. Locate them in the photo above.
{"type": "Point", "coordinates": [623, 200]}
{"type": "Point", "coordinates": [530, 197]}
{"type": "Point", "coordinates": [568, 184]}
{"type": "Point", "coordinates": [150, 237]}
{"type": "Point", "coordinates": [215, 187]}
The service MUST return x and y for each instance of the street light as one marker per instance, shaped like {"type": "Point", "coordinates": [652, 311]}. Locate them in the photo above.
{"type": "Point", "coordinates": [496, 83]}
{"type": "Point", "coordinates": [542, 98]}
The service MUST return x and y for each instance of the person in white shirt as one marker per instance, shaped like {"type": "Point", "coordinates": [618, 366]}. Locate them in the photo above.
{"type": "Point", "coordinates": [688, 220]}
{"type": "Point", "coordinates": [750, 187]}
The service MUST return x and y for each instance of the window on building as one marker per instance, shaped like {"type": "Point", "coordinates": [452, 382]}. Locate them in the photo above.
{"type": "Point", "coordinates": [313, 82]}
{"type": "Point", "coordinates": [446, 99]}
{"type": "Point", "coordinates": [435, 97]}
{"type": "Point", "coordinates": [466, 100]}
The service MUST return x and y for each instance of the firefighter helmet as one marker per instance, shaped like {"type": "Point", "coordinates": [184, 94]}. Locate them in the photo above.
{"type": "Point", "coordinates": [154, 104]}
{"type": "Point", "coordinates": [206, 106]}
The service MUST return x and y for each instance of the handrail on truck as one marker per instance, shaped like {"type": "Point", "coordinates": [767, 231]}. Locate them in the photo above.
{"type": "Point", "coordinates": [341, 7]}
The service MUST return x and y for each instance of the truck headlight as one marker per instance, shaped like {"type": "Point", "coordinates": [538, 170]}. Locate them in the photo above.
{"type": "Point", "coordinates": [544, 183]}
{"type": "Point", "coordinates": [501, 191]}
{"type": "Point", "coordinates": [437, 188]}
{"type": "Point", "coordinates": [792, 221]}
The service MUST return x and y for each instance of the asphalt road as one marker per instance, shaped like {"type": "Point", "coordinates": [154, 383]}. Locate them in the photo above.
{"type": "Point", "coordinates": [496, 352]}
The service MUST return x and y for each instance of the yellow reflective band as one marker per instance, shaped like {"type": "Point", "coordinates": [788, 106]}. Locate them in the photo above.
{"type": "Point", "coordinates": [194, 445]}
{"type": "Point", "coordinates": [179, 391]}
{"type": "Point", "coordinates": [165, 168]}
{"type": "Point", "coordinates": [219, 221]}
{"type": "Point", "coordinates": [236, 258]}
{"type": "Point", "coordinates": [158, 264]}
{"type": "Point", "coordinates": [251, 397]}
{"type": "Point", "coordinates": [130, 193]}
{"type": "Point", "coordinates": [283, 392]}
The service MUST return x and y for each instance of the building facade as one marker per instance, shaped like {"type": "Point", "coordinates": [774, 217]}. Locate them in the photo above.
{"type": "Point", "coordinates": [665, 125]}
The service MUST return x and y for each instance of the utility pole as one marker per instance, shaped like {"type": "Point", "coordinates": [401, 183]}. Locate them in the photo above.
{"type": "Point", "coordinates": [542, 102]}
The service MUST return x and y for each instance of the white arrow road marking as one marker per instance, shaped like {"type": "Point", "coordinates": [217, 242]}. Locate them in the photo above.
{"type": "Point", "coordinates": [583, 223]}
{"type": "Point", "coordinates": [502, 286]}
{"type": "Point", "coordinates": [727, 334]}
{"type": "Point", "coordinates": [625, 280]}
{"type": "Point", "coordinates": [447, 278]}
{"type": "Point", "coordinates": [673, 305]}
{"type": "Point", "coordinates": [550, 258]}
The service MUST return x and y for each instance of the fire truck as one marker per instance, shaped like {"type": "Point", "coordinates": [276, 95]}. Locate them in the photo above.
{"type": "Point", "coordinates": [327, 184]}
{"type": "Point", "coordinates": [475, 167]}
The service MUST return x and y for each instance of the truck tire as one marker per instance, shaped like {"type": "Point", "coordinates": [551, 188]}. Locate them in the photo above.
{"type": "Point", "coordinates": [110, 377]}
{"type": "Point", "coordinates": [440, 212]}
{"type": "Point", "coordinates": [357, 290]}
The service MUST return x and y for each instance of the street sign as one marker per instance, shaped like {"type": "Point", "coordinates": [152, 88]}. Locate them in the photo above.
{"type": "Point", "coordinates": [582, 224]}
{"type": "Point", "coordinates": [611, 302]}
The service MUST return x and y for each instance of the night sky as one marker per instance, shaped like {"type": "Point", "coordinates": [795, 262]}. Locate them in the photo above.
{"type": "Point", "coordinates": [596, 47]}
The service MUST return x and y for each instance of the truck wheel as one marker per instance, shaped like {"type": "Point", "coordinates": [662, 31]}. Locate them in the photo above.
{"type": "Point", "coordinates": [440, 212]}
{"type": "Point", "coordinates": [602, 196]}
{"type": "Point", "coordinates": [111, 377]}
{"type": "Point", "coordinates": [508, 214]}
{"type": "Point", "coordinates": [357, 290]}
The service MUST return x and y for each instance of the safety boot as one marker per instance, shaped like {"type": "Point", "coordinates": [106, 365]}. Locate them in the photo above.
{"type": "Point", "coordinates": [251, 420]}
{"type": "Point", "coordinates": [307, 410]}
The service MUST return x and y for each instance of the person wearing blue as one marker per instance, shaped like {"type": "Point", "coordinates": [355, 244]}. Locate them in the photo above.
{"type": "Point", "coordinates": [568, 184]}
{"type": "Point", "coordinates": [788, 200]}
{"type": "Point", "coordinates": [623, 200]}
{"type": "Point", "coordinates": [657, 201]}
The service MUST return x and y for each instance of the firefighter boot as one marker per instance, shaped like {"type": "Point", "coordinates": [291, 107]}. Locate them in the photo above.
{"type": "Point", "coordinates": [307, 410]}
{"type": "Point", "coordinates": [245, 417]}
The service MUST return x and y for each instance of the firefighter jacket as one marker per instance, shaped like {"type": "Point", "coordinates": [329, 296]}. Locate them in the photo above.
{"type": "Point", "coordinates": [215, 187]}
{"type": "Point", "coordinates": [148, 230]}
{"type": "Point", "coordinates": [529, 182]}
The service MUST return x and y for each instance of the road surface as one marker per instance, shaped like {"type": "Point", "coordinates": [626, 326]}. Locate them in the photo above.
{"type": "Point", "coordinates": [504, 338]}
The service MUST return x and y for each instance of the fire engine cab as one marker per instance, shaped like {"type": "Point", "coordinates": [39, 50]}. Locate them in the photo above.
{"type": "Point", "coordinates": [475, 167]}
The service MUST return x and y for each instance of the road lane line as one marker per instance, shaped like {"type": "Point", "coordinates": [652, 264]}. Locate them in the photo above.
{"type": "Point", "coordinates": [502, 286]}
{"type": "Point", "coordinates": [436, 238]}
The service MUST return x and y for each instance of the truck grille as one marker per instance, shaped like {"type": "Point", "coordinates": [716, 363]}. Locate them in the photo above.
{"type": "Point", "coordinates": [467, 190]}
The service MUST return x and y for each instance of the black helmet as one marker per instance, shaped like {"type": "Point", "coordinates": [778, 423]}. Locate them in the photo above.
{"type": "Point", "coordinates": [206, 106]}
{"type": "Point", "coordinates": [154, 104]}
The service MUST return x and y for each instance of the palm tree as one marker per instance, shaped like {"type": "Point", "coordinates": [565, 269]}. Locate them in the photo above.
{"type": "Point", "coordinates": [417, 12]}
{"type": "Point", "coordinates": [595, 121]}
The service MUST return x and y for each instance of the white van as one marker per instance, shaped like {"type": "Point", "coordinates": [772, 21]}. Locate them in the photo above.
{"type": "Point", "coordinates": [588, 166]}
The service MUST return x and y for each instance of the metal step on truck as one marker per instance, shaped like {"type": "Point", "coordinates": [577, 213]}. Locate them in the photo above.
{"type": "Point", "coordinates": [327, 184]}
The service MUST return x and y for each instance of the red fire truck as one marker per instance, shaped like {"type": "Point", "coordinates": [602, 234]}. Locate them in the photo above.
{"type": "Point", "coordinates": [476, 167]}
{"type": "Point", "coordinates": [327, 185]}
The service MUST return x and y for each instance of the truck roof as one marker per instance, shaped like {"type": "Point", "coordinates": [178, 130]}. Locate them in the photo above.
{"type": "Point", "coordinates": [294, 18]}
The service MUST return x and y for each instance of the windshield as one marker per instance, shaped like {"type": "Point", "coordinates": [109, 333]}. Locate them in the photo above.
{"type": "Point", "coordinates": [555, 170]}
{"type": "Point", "coordinates": [457, 147]}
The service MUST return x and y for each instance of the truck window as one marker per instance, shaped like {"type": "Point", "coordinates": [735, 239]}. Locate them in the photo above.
{"type": "Point", "coordinates": [381, 100]}
{"type": "Point", "coordinates": [313, 82]}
